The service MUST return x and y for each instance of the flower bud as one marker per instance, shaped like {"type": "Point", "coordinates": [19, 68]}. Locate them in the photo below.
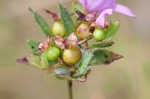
{"type": "Point", "coordinates": [58, 29]}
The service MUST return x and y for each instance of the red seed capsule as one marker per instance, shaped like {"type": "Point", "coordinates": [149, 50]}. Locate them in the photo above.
{"type": "Point", "coordinates": [83, 31]}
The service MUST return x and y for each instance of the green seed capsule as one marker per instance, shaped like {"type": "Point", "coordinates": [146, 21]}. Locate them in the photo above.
{"type": "Point", "coordinates": [72, 55]}
{"type": "Point", "coordinates": [83, 31]}
{"type": "Point", "coordinates": [99, 34]}
{"type": "Point", "coordinates": [58, 29]}
{"type": "Point", "coordinates": [53, 53]}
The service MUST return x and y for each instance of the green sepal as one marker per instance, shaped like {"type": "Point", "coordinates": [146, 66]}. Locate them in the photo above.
{"type": "Point", "coordinates": [41, 22]}
{"type": "Point", "coordinates": [34, 60]}
{"type": "Point", "coordinates": [44, 61]}
{"type": "Point", "coordinates": [66, 20]}
{"type": "Point", "coordinates": [34, 47]}
{"type": "Point", "coordinates": [86, 58]}
{"type": "Point", "coordinates": [112, 29]}
{"type": "Point", "coordinates": [102, 44]}
{"type": "Point", "coordinates": [101, 57]}
{"type": "Point", "coordinates": [52, 62]}
{"type": "Point", "coordinates": [52, 41]}
{"type": "Point", "coordinates": [77, 6]}
{"type": "Point", "coordinates": [79, 77]}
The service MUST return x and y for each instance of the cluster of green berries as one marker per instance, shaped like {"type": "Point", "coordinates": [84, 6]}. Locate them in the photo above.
{"type": "Point", "coordinates": [83, 31]}
{"type": "Point", "coordinates": [72, 55]}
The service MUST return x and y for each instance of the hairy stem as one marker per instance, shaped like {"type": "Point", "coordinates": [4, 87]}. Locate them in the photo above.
{"type": "Point", "coordinates": [69, 82]}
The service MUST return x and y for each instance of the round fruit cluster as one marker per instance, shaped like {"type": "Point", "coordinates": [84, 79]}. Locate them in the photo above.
{"type": "Point", "coordinates": [72, 54]}
{"type": "Point", "coordinates": [83, 31]}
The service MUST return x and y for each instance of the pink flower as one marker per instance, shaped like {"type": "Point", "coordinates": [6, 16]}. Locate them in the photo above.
{"type": "Point", "coordinates": [105, 8]}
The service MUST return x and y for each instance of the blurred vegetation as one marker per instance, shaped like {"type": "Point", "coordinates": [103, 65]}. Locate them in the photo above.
{"type": "Point", "coordinates": [146, 71]}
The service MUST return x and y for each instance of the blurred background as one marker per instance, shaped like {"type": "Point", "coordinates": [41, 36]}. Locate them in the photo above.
{"type": "Point", "coordinates": [128, 78]}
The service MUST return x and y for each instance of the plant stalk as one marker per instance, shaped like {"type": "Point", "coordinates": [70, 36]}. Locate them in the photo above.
{"type": "Point", "coordinates": [70, 89]}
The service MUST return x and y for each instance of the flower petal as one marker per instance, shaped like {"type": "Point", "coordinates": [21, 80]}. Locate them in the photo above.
{"type": "Point", "coordinates": [94, 5]}
{"type": "Point", "coordinates": [97, 5]}
{"type": "Point", "coordinates": [124, 10]}
{"type": "Point", "coordinates": [101, 19]}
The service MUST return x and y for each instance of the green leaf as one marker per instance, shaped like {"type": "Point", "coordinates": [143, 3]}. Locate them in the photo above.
{"type": "Point", "coordinates": [66, 20]}
{"type": "Point", "coordinates": [42, 23]}
{"type": "Point", "coordinates": [102, 45]}
{"type": "Point", "coordinates": [52, 62]}
{"type": "Point", "coordinates": [44, 61]}
{"type": "Point", "coordinates": [34, 60]}
{"type": "Point", "coordinates": [101, 57]}
{"type": "Point", "coordinates": [112, 29]}
{"type": "Point", "coordinates": [86, 58]}
{"type": "Point", "coordinates": [52, 41]}
{"type": "Point", "coordinates": [33, 46]}
{"type": "Point", "coordinates": [77, 6]}
{"type": "Point", "coordinates": [85, 74]}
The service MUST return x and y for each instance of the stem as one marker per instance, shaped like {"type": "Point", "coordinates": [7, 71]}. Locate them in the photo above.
{"type": "Point", "coordinates": [70, 89]}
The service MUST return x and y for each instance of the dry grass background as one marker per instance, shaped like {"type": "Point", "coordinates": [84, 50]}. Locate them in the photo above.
{"type": "Point", "coordinates": [125, 79]}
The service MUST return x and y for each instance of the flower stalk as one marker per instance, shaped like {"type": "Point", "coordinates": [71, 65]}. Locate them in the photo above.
{"type": "Point", "coordinates": [70, 89]}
